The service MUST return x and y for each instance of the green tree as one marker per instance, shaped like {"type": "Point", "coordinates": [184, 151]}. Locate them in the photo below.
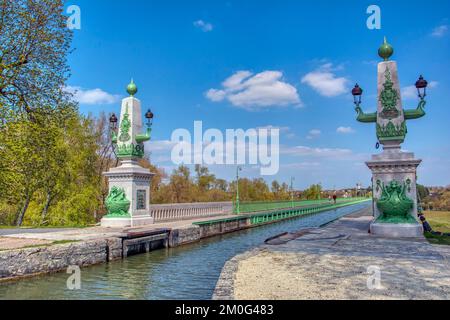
{"type": "Point", "coordinates": [181, 184]}
{"type": "Point", "coordinates": [422, 191]}
{"type": "Point", "coordinates": [314, 192]}
{"type": "Point", "coordinates": [205, 180]}
{"type": "Point", "coordinates": [34, 44]}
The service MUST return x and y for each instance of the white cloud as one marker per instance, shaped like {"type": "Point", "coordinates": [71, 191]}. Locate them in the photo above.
{"type": "Point", "coordinates": [301, 165]}
{"type": "Point", "coordinates": [410, 92]}
{"type": "Point", "coordinates": [271, 127]}
{"type": "Point", "coordinates": [315, 133]}
{"type": "Point", "coordinates": [92, 96]}
{"type": "Point", "coordinates": [345, 130]}
{"type": "Point", "coordinates": [317, 152]}
{"type": "Point", "coordinates": [325, 82]}
{"type": "Point", "coordinates": [160, 146]}
{"type": "Point", "coordinates": [254, 92]}
{"type": "Point", "coordinates": [439, 31]}
{"type": "Point", "coordinates": [216, 95]}
{"type": "Point", "coordinates": [204, 26]}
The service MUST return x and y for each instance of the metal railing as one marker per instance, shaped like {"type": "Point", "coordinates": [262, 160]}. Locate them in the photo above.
{"type": "Point", "coordinates": [260, 206]}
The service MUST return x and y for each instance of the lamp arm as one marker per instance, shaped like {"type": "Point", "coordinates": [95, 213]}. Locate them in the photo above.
{"type": "Point", "coordinates": [145, 136]}
{"type": "Point", "coordinates": [113, 137]}
{"type": "Point", "coordinates": [417, 113]}
{"type": "Point", "coordinates": [365, 117]}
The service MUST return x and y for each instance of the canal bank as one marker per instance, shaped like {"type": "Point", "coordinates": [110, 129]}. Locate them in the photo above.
{"type": "Point", "coordinates": [190, 271]}
{"type": "Point", "coordinates": [339, 261]}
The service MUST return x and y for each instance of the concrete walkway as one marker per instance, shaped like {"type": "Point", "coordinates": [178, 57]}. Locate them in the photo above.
{"type": "Point", "coordinates": [339, 262]}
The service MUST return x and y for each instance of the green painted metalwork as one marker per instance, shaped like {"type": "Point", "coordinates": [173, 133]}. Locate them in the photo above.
{"type": "Point", "coordinates": [365, 117]}
{"type": "Point", "coordinates": [125, 127]}
{"type": "Point", "coordinates": [279, 215]}
{"type": "Point", "coordinates": [392, 132]}
{"type": "Point", "coordinates": [132, 88]}
{"type": "Point", "coordinates": [394, 205]}
{"type": "Point", "coordinates": [416, 113]}
{"type": "Point", "coordinates": [389, 99]}
{"type": "Point", "coordinates": [126, 145]}
{"type": "Point", "coordinates": [141, 138]}
{"type": "Point", "coordinates": [386, 50]}
{"type": "Point", "coordinates": [248, 207]}
{"type": "Point", "coordinates": [130, 150]}
{"type": "Point", "coordinates": [117, 203]}
{"type": "Point", "coordinates": [282, 214]}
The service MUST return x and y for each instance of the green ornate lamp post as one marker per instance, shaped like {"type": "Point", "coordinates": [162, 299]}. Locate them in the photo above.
{"type": "Point", "coordinates": [292, 191]}
{"type": "Point", "coordinates": [394, 171]}
{"type": "Point", "coordinates": [128, 202]}
{"type": "Point", "coordinates": [238, 209]}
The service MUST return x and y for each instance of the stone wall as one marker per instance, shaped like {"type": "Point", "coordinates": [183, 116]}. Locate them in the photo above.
{"type": "Point", "coordinates": [178, 237]}
{"type": "Point", "coordinates": [26, 262]}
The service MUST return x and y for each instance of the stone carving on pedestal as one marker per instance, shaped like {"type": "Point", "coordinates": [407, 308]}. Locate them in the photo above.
{"type": "Point", "coordinates": [394, 172]}
{"type": "Point", "coordinates": [128, 202]}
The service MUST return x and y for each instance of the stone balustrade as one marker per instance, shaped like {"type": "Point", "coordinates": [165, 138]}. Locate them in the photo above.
{"type": "Point", "coordinates": [182, 211]}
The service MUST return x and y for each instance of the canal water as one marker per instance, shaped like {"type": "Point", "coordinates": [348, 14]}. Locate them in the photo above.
{"type": "Point", "coordinates": [188, 272]}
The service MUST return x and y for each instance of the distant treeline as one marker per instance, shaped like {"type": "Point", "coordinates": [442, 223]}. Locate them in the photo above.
{"type": "Point", "coordinates": [435, 198]}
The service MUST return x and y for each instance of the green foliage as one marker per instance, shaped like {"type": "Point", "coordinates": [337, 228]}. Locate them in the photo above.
{"type": "Point", "coordinates": [51, 176]}
{"type": "Point", "coordinates": [422, 191]}
{"type": "Point", "coordinates": [34, 43]}
{"type": "Point", "coordinates": [438, 239]}
{"type": "Point", "coordinates": [314, 192]}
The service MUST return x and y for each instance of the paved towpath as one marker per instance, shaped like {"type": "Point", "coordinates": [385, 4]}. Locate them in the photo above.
{"type": "Point", "coordinates": [338, 262]}
{"type": "Point", "coordinates": [19, 238]}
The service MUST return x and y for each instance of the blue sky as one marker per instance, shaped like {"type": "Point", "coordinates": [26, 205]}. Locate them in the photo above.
{"type": "Point", "coordinates": [180, 53]}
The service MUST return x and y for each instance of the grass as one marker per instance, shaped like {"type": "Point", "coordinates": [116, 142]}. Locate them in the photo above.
{"type": "Point", "coordinates": [436, 239]}
{"type": "Point", "coordinates": [440, 222]}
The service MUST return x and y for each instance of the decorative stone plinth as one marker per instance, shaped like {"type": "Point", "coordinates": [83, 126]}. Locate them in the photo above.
{"type": "Point", "coordinates": [134, 181]}
{"type": "Point", "coordinates": [396, 170]}
{"type": "Point", "coordinates": [402, 230]}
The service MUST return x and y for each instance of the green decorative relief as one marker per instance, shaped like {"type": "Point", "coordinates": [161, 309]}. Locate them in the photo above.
{"type": "Point", "coordinates": [394, 205]}
{"type": "Point", "coordinates": [117, 203]}
{"type": "Point", "coordinates": [130, 150]}
{"type": "Point", "coordinates": [391, 131]}
{"type": "Point", "coordinates": [125, 127]}
{"type": "Point", "coordinates": [389, 98]}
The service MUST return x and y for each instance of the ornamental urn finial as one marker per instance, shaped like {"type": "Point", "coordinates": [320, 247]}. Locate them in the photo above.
{"type": "Point", "coordinates": [132, 88]}
{"type": "Point", "coordinates": [386, 50]}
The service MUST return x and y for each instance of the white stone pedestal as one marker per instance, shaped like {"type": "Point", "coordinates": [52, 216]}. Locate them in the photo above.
{"type": "Point", "coordinates": [394, 164]}
{"type": "Point", "coordinates": [401, 230]}
{"type": "Point", "coordinates": [135, 181]}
